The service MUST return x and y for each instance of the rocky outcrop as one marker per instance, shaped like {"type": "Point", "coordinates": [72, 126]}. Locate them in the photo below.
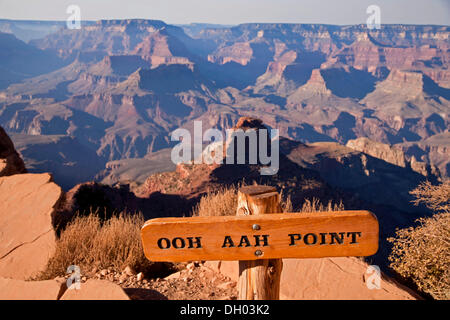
{"type": "Point", "coordinates": [315, 85]}
{"type": "Point", "coordinates": [410, 81]}
{"type": "Point", "coordinates": [379, 150]}
{"type": "Point", "coordinates": [159, 48]}
{"type": "Point", "coordinates": [10, 161]}
{"type": "Point", "coordinates": [327, 279]}
{"type": "Point", "coordinates": [28, 203]}
{"type": "Point", "coordinates": [96, 290]}
{"type": "Point", "coordinates": [240, 52]}
{"type": "Point", "coordinates": [407, 96]}
{"type": "Point", "coordinates": [423, 168]}
{"type": "Point", "coordinates": [392, 155]}
{"type": "Point", "coordinates": [434, 150]}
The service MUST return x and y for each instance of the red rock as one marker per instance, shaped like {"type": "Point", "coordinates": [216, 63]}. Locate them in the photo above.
{"type": "Point", "coordinates": [335, 279]}
{"type": "Point", "coordinates": [11, 289]}
{"type": "Point", "coordinates": [27, 238]}
{"type": "Point", "coordinates": [96, 290]}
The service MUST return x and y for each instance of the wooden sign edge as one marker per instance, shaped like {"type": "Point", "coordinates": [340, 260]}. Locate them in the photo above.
{"type": "Point", "coordinates": [281, 216]}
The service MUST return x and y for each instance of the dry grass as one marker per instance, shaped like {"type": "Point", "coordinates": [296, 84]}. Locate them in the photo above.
{"type": "Point", "coordinates": [286, 203]}
{"type": "Point", "coordinates": [89, 242]}
{"type": "Point", "coordinates": [224, 203]}
{"type": "Point", "coordinates": [422, 254]}
{"type": "Point", "coordinates": [315, 205]}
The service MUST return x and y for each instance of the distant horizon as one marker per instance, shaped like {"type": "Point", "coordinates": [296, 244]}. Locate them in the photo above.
{"type": "Point", "coordinates": [228, 25]}
{"type": "Point", "coordinates": [234, 12]}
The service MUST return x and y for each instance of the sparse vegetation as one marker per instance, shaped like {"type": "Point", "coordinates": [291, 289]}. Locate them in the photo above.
{"type": "Point", "coordinates": [422, 254]}
{"type": "Point", "coordinates": [315, 205]}
{"type": "Point", "coordinates": [88, 241]}
{"type": "Point", "coordinates": [223, 202]}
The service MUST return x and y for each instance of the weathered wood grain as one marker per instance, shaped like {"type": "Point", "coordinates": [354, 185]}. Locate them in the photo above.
{"type": "Point", "coordinates": [213, 230]}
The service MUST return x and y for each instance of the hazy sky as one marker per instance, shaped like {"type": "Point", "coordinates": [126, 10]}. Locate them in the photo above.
{"type": "Point", "coordinates": [234, 11]}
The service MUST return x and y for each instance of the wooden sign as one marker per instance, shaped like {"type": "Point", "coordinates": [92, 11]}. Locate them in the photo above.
{"type": "Point", "coordinates": [267, 236]}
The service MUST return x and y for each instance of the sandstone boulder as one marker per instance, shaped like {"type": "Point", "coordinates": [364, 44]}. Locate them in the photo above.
{"type": "Point", "coordinates": [326, 279]}
{"type": "Point", "coordinates": [11, 289]}
{"type": "Point", "coordinates": [95, 289]}
{"type": "Point", "coordinates": [27, 237]}
{"type": "Point", "coordinates": [336, 279]}
{"type": "Point", "coordinates": [10, 161]}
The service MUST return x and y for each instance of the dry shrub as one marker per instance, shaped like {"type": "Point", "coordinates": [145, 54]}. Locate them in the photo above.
{"type": "Point", "coordinates": [422, 254]}
{"type": "Point", "coordinates": [436, 198]}
{"type": "Point", "coordinates": [89, 242]}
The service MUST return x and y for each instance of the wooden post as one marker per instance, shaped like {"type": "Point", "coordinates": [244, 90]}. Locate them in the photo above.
{"type": "Point", "coordinates": [259, 279]}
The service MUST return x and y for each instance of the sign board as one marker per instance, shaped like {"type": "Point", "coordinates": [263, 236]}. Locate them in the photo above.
{"type": "Point", "coordinates": [269, 236]}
